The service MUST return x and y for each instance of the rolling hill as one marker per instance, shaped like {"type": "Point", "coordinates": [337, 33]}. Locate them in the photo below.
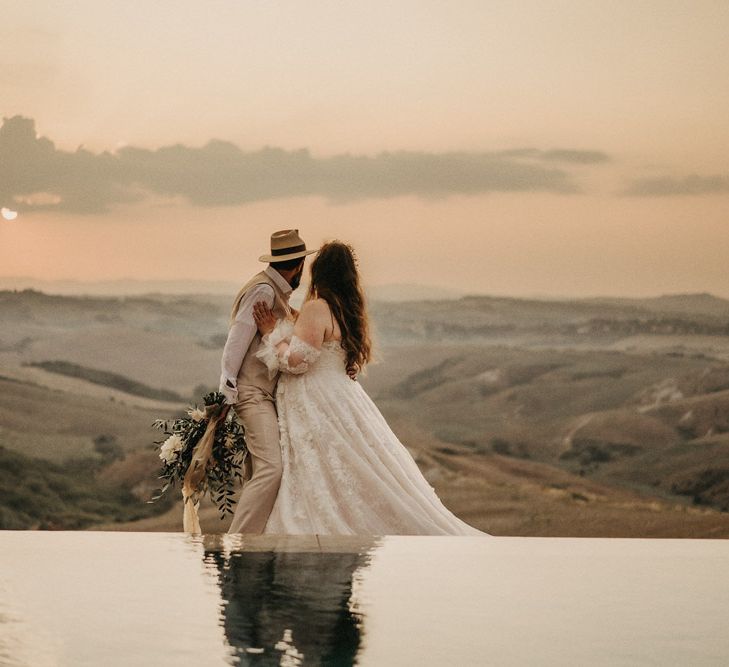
{"type": "Point", "coordinates": [543, 417]}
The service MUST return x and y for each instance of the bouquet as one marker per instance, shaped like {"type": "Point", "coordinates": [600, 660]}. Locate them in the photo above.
{"type": "Point", "coordinates": [204, 452]}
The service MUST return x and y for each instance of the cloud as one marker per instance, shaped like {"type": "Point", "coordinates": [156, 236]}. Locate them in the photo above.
{"type": "Point", "coordinates": [82, 182]}
{"type": "Point", "coordinates": [577, 157]}
{"type": "Point", "coordinates": [559, 155]}
{"type": "Point", "coordinates": [34, 174]}
{"type": "Point", "coordinates": [667, 186]}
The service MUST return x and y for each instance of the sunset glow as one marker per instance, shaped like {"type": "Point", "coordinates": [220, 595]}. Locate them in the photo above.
{"type": "Point", "coordinates": [570, 148]}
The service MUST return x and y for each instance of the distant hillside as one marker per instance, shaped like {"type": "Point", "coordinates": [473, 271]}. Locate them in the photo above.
{"type": "Point", "coordinates": [128, 286]}
{"type": "Point", "coordinates": [529, 416]}
{"type": "Point", "coordinates": [174, 342]}
{"type": "Point", "coordinates": [132, 287]}
{"type": "Point", "coordinates": [525, 321]}
{"type": "Point", "coordinates": [33, 306]}
{"type": "Point", "coordinates": [107, 379]}
{"type": "Point", "coordinates": [701, 303]}
{"type": "Point", "coordinates": [655, 423]}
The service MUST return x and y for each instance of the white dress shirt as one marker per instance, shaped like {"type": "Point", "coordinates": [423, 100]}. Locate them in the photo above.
{"type": "Point", "coordinates": [243, 330]}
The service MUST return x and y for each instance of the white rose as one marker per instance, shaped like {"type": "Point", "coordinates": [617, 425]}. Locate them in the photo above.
{"type": "Point", "coordinates": [170, 448]}
{"type": "Point", "coordinates": [196, 414]}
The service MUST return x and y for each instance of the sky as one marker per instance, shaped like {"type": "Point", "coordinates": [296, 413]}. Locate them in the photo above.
{"type": "Point", "coordinates": [518, 148]}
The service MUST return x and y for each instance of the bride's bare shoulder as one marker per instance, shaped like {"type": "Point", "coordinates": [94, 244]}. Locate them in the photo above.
{"type": "Point", "coordinates": [314, 312]}
{"type": "Point", "coordinates": [316, 315]}
{"type": "Point", "coordinates": [315, 308]}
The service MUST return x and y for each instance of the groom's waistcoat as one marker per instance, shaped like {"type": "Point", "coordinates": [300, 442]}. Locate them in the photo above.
{"type": "Point", "coordinates": [253, 371]}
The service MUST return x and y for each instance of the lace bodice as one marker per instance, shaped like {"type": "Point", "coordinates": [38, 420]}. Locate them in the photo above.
{"type": "Point", "coordinates": [332, 357]}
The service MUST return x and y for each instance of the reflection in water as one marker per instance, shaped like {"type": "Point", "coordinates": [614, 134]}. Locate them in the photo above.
{"type": "Point", "coordinates": [90, 599]}
{"type": "Point", "coordinates": [288, 608]}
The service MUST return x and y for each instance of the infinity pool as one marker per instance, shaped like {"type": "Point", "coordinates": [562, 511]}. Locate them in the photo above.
{"type": "Point", "coordinates": [105, 598]}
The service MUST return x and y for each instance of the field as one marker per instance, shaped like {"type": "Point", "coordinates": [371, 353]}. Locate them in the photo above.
{"type": "Point", "coordinates": [599, 417]}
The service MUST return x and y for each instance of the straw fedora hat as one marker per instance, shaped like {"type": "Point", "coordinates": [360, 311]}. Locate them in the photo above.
{"type": "Point", "coordinates": [286, 244]}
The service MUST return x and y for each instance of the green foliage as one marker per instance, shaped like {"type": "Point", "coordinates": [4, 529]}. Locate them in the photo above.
{"type": "Point", "coordinates": [228, 452]}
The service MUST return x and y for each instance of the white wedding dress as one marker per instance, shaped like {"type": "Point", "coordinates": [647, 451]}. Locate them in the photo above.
{"type": "Point", "coordinates": [344, 470]}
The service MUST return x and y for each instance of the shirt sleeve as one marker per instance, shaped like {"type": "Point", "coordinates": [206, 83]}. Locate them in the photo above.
{"type": "Point", "coordinates": [240, 335]}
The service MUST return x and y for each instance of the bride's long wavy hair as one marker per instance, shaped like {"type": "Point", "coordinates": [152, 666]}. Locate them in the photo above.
{"type": "Point", "coordinates": [334, 278]}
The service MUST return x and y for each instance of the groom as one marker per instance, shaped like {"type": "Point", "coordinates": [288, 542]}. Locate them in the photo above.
{"type": "Point", "coordinates": [245, 383]}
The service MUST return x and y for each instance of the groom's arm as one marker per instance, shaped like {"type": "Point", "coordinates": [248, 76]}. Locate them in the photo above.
{"type": "Point", "coordinates": [240, 335]}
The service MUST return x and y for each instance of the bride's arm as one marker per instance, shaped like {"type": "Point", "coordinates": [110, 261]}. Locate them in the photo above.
{"type": "Point", "coordinates": [303, 348]}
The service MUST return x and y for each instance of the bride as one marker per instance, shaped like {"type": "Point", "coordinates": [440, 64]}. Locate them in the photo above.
{"type": "Point", "coordinates": [344, 470]}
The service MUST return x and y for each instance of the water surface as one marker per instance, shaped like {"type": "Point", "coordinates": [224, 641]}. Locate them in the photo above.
{"type": "Point", "coordinates": [104, 598]}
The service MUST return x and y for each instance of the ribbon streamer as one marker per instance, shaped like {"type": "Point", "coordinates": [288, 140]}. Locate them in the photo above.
{"type": "Point", "coordinates": [195, 475]}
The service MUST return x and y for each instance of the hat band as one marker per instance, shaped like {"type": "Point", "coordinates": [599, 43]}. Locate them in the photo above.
{"type": "Point", "coordinates": [288, 251]}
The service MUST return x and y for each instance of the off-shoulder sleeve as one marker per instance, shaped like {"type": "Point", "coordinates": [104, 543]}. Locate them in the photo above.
{"type": "Point", "coordinates": [295, 357]}
{"type": "Point", "coordinates": [298, 356]}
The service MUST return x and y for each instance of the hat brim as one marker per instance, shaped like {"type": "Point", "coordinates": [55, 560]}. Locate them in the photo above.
{"type": "Point", "coordinates": [284, 258]}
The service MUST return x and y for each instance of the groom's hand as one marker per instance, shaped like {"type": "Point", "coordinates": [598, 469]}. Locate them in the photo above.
{"type": "Point", "coordinates": [264, 317]}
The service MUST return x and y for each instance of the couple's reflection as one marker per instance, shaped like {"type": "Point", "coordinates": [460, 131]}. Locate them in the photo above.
{"type": "Point", "coordinates": [287, 607]}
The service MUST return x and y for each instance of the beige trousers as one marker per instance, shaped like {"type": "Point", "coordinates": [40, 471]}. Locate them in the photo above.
{"type": "Point", "coordinates": [256, 410]}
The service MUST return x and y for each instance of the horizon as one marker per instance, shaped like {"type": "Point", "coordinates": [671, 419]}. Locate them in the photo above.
{"type": "Point", "coordinates": [442, 293]}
